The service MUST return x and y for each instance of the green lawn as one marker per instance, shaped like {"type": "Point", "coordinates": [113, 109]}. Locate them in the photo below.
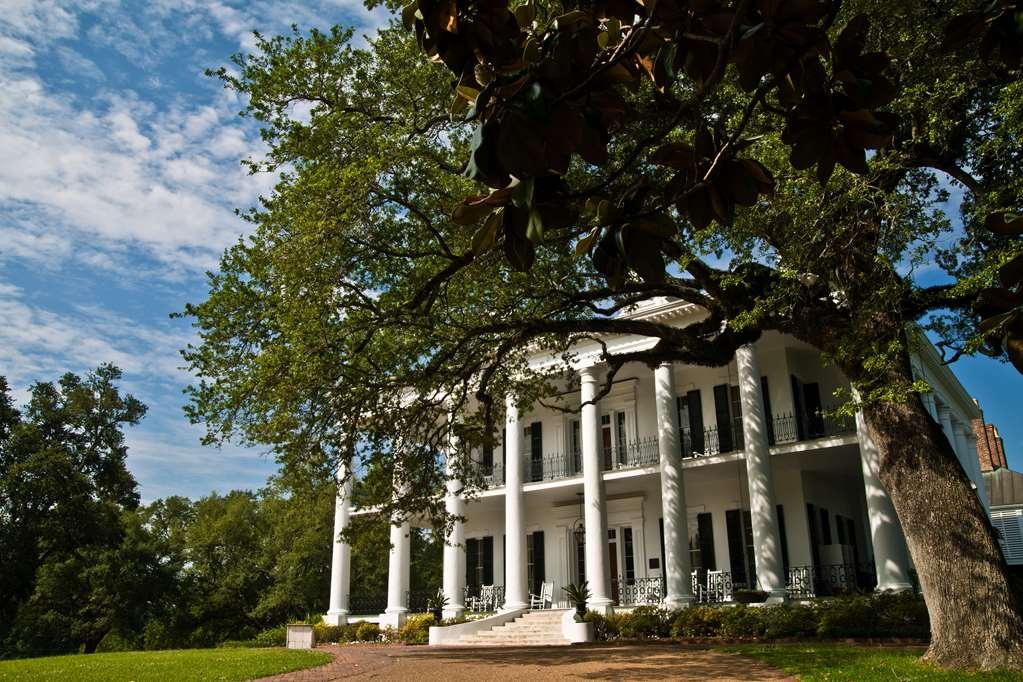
{"type": "Point", "coordinates": [813, 662]}
{"type": "Point", "coordinates": [224, 665]}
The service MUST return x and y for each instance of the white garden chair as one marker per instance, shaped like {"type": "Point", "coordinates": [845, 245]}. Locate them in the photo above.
{"type": "Point", "coordinates": [542, 600]}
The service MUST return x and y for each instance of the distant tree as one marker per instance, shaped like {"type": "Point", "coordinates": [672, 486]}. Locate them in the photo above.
{"type": "Point", "coordinates": [75, 562]}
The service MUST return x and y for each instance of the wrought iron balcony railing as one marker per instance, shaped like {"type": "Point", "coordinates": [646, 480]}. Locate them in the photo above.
{"type": "Point", "coordinates": [638, 591]}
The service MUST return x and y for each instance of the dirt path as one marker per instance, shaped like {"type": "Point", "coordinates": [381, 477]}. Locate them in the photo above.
{"type": "Point", "coordinates": [652, 661]}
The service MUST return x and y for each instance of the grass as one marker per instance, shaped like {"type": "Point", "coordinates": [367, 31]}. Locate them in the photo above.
{"type": "Point", "coordinates": [223, 665]}
{"type": "Point", "coordinates": [812, 662]}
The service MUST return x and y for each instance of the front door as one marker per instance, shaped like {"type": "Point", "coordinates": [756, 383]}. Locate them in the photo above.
{"type": "Point", "coordinates": [612, 550]}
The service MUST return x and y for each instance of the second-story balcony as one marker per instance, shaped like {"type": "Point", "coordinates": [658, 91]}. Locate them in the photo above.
{"type": "Point", "coordinates": [782, 430]}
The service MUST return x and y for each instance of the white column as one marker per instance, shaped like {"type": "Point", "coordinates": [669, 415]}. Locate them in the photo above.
{"type": "Point", "coordinates": [967, 449]}
{"type": "Point", "coordinates": [454, 543]}
{"type": "Point", "coordinates": [971, 444]}
{"type": "Point", "coordinates": [763, 513]}
{"type": "Point", "coordinates": [514, 513]}
{"type": "Point", "coordinates": [891, 558]}
{"type": "Point", "coordinates": [594, 504]}
{"type": "Point", "coordinates": [341, 557]}
{"type": "Point", "coordinates": [677, 570]}
{"type": "Point", "coordinates": [397, 576]}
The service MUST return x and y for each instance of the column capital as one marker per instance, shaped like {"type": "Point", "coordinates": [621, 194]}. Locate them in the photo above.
{"type": "Point", "coordinates": [588, 372]}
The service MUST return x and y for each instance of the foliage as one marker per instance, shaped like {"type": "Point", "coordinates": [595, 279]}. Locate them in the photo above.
{"type": "Point", "coordinates": [750, 596]}
{"type": "Point", "coordinates": [275, 636]}
{"type": "Point", "coordinates": [415, 630]}
{"type": "Point", "coordinates": [877, 616]}
{"type": "Point", "coordinates": [228, 665]}
{"type": "Point", "coordinates": [577, 594]}
{"type": "Point", "coordinates": [367, 632]}
{"type": "Point", "coordinates": [817, 662]}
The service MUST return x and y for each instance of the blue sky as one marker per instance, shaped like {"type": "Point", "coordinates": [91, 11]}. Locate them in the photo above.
{"type": "Point", "coordinates": [119, 174]}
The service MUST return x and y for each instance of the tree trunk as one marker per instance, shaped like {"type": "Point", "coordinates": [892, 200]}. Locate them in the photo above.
{"type": "Point", "coordinates": [975, 616]}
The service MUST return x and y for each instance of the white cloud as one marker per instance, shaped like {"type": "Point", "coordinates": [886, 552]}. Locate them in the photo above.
{"type": "Point", "coordinates": [78, 65]}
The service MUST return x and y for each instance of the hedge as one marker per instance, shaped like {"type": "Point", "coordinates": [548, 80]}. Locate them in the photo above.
{"type": "Point", "coordinates": [882, 615]}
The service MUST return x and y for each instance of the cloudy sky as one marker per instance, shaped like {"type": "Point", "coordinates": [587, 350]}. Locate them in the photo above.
{"type": "Point", "coordinates": [119, 174]}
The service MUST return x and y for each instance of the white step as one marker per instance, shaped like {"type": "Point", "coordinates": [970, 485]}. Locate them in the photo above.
{"type": "Point", "coordinates": [535, 628]}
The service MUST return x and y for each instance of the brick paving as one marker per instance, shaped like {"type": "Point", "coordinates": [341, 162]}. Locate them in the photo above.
{"type": "Point", "coordinates": [652, 661]}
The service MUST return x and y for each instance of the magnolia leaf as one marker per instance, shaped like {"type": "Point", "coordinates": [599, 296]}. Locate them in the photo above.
{"type": "Point", "coordinates": [586, 243]}
{"type": "Point", "coordinates": [1008, 224]}
{"type": "Point", "coordinates": [486, 236]}
{"type": "Point", "coordinates": [524, 14]}
{"type": "Point", "coordinates": [534, 228]}
{"type": "Point", "coordinates": [1011, 273]}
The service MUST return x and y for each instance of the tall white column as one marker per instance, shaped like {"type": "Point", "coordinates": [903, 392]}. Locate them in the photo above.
{"type": "Point", "coordinates": [454, 543]}
{"type": "Point", "coordinates": [891, 558]}
{"type": "Point", "coordinates": [594, 504]}
{"type": "Point", "coordinates": [514, 512]}
{"type": "Point", "coordinates": [677, 570]}
{"type": "Point", "coordinates": [967, 449]}
{"type": "Point", "coordinates": [341, 557]}
{"type": "Point", "coordinates": [971, 445]}
{"type": "Point", "coordinates": [763, 513]}
{"type": "Point", "coordinates": [397, 575]}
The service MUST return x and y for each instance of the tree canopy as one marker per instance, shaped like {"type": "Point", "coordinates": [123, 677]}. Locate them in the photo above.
{"type": "Point", "coordinates": [485, 179]}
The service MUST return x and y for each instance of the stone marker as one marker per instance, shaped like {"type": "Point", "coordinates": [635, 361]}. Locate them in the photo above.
{"type": "Point", "coordinates": [301, 636]}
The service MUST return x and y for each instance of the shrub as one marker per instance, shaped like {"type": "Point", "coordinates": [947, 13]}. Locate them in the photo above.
{"type": "Point", "coordinates": [277, 636]}
{"type": "Point", "coordinates": [902, 615]}
{"type": "Point", "coordinates": [114, 641]}
{"type": "Point", "coordinates": [789, 620]}
{"type": "Point", "coordinates": [643, 622]}
{"type": "Point", "coordinates": [335, 634]}
{"type": "Point", "coordinates": [604, 629]}
{"type": "Point", "coordinates": [697, 621]}
{"type": "Point", "coordinates": [367, 632]}
{"type": "Point", "coordinates": [750, 596]}
{"type": "Point", "coordinates": [847, 617]}
{"type": "Point", "coordinates": [742, 622]}
{"type": "Point", "coordinates": [415, 630]}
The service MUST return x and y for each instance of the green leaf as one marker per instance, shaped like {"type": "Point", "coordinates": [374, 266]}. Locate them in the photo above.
{"type": "Point", "coordinates": [586, 243]}
{"type": "Point", "coordinates": [534, 228]}
{"type": "Point", "coordinates": [486, 236]}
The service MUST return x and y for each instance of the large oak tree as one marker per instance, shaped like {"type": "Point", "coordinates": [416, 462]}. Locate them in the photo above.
{"type": "Point", "coordinates": [519, 175]}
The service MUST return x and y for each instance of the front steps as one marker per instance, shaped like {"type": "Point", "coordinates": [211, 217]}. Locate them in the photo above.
{"type": "Point", "coordinates": [535, 628]}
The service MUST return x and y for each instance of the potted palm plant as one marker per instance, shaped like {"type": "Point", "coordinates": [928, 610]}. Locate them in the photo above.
{"type": "Point", "coordinates": [578, 594]}
{"type": "Point", "coordinates": [435, 604]}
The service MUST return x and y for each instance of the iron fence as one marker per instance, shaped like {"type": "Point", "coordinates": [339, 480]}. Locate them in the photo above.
{"type": "Point", "coordinates": [417, 601]}
{"type": "Point", "coordinates": [365, 604]}
{"type": "Point", "coordinates": [638, 591]}
{"type": "Point", "coordinates": [712, 587]}
{"type": "Point", "coordinates": [475, 599]}
{"type": "Point", "coordinates": [807, 582]}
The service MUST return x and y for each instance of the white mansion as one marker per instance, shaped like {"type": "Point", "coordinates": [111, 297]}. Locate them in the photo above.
{"type": "Point", "coordinates": [683, 484]}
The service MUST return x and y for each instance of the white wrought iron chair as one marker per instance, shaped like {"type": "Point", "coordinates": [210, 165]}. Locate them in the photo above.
{"type": "Point", "coordinates": [697, 587]}
{"type": "Point", "coordinates": [542, 600]}
{"type": "Point", "coordinates": [483, 602]}
{"type": "Point", "coordinates": [719, 586]}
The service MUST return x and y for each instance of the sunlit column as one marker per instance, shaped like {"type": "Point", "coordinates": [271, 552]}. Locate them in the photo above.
{"type": "Point", "coordinates": [678, 583]}
{"type": "Point", "coordinates": [763, 513]}
{"type": "Point", "coordinates": [341, 557]}
{"type": "Point", "coordinates": [514, 514]}
{"type": "Point", "coordinates": [891, 558]}
{"type": "Point", "coordinates": [454, 542]}
{"type": "Point", "coordinates": [594, 502]}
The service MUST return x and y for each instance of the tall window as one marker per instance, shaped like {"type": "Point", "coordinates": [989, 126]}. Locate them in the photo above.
{"type": "Point", "coordinates": [479, 562]}
{"type": "Point", "coordinates": [690, 420]}
{"type": "Point", "coordinates": [741, 557]}
{"type": "Point", "coordinates": [728, 413]}
{"type": "Point", "coordinates": [627, 551]}
{"type": "Point", "coordinates": [575, 446]}
{"type": "Point", "coordinates": [620, 438]}
{"type": "Point", "coordinates": [580, 559]}
{"type": "Point", "coordinates": [701, 543]}
{"type": "Point", "coordinates": [535, 569]}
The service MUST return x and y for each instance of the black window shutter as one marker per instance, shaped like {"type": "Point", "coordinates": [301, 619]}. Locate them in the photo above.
{"type": "Point", "coordinates": [797, 407]}
{"type": "Point", "coordinates": [471, 561]}
{"type": "Point", "coordinates": [664, 561]}
{"type": "Point", "coordinates": [784, 540]}
{"type": "Point", "coordinates": [539, 569]}
{"type": "Point", "coordinates": [768, 415]}
{"type": "Point", "coordinates": [736, 562]}
{"type": "Point", "coordinates": [695, 420]}
{"type": "Point", "coordinates": [850, 532]}
{"type": "Point", "coordinates": [825, 527]}
{"type": "Point", "coordinates": [724, 418]}
{"type": "Point", "coordinates": [536, 449]}
{"type": "Point", "coordinates": [488, 560]}
{"type": "Point", "coordinates": [747, 536]}
{"type": "Point", "coordinates": [840, 529]}
{"type": "Point", "coordinates": [705, 527]}
{"type": "Point", "coordinates": [811, 522]}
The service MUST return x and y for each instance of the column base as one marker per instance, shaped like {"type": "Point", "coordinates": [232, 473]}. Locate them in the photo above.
{"type": "Point", "coordinates": [456, 611]}
{"type": "Point", "coordinates": [338, 617]}
{"type": "Point", "coordinates": [894, 587]}
{"type": "Point", "coordinates": [678, 601]}
{"type": "Point", "coordinates": [393, 619]}
{"type": "Point", "coordinates": [601, 605]}
{"type": "Point", "coordinates": [777, 596]}
{"type": "Point", "coordinates": [513, 606]}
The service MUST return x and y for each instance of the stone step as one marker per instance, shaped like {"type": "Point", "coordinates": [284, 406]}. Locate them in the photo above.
{"type": "Point", "coordinates": [530, 632]}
